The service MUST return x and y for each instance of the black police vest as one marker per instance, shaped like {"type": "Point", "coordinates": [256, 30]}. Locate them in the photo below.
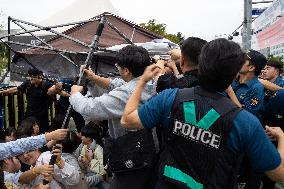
{"type": "Point", "coordinates": [195, 154]}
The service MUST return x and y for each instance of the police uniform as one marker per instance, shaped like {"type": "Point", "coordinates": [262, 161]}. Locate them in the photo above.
{"type": "Point", "coordinates": [250, 95]}
{"type": "Point", "coordinates": [273, 111]}
{"type": "Point", "coordinates": [184, 135]}
{"type": "Point", "coordinates": [201, 141]}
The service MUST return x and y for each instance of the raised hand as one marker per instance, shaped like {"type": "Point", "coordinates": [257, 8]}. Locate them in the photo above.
{"type": "Point", "coordinates": [150, 73]}
{"type": "Point", "coordinates": [274, 133]}
{"type": "Point", "coordinates": [58, 134]}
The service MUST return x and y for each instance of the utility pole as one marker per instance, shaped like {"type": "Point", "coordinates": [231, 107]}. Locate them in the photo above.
{"type": "Point", "coordinates": [247, 31]}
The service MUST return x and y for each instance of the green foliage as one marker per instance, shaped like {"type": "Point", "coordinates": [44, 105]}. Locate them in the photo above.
{"type": "Point", "coordinates": [3, 51]}
{"type": "Point", "coordinates": [3, 56]}
{"type": "Point", "coordinates": [276, 58]}
{"type": "Point", "coordinates": [160, 29]}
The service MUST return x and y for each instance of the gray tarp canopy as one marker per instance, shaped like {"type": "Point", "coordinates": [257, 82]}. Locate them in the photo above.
{"type": "Point", "coordinates": [54, 65]}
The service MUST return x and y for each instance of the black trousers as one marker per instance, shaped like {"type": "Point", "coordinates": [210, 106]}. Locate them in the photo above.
{"type": "Point", "coordinates": [138, 179]}
{"type": "Point", "coordinates": [60, 114]}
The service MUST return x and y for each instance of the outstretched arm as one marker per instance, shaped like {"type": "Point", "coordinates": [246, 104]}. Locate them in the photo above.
{"type": "Point", "coordinates": [277, 173]}
{"type": "Point", "coordinates": [269, 85]}
{"type": "Point", "coordinates": [100, 81]}
{"type": "Point", "coordinates": [14, 148]}
{"type": "Point", "coordinates": [233, 96]}
{"type": "Point", "coordinates": [130, 118]}
{"type": "Point", "coordinates": [9, 91]}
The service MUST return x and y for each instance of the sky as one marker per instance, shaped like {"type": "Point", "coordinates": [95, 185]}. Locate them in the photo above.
{"type": "Point", "coordinates": [207, 19]}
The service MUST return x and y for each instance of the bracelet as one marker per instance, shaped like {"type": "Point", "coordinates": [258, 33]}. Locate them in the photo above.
{"type": "Point", "coordinates": [34, 171]}
{"type": "Point", "coordinates": [58, 162]}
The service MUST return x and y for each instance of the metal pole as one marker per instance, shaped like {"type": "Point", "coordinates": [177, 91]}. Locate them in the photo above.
{"type": "Point", "coordinates": [9, 53]}
{"type": "Point", "coordinates": [40, 47]}
{"type": "Point", "coordinates": [90, 54]}
{"type": "Point", "coordinates": [93, 47]}
{"type": "Point", "coordinates": [262, 2]}
{"type": "Point", "coordinates": [48, 27]}
{"type": "Point", "coordinates": [246, 31]}
{"type": "Point", "coordinates": [62, 55]}
{"type": "Point", "coordinates": [119, 33]}
{"type": "Point", "coordinates": [52, 31]}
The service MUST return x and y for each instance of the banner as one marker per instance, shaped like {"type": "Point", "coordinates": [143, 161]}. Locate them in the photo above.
{"type": "Point", "coordinates": [271, 35]}
{"type": "Point", "coordinates": [269, 15]}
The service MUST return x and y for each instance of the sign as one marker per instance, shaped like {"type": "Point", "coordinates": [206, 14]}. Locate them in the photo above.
{"type": "Point", "coordinates": [269, 16]}
{"type": "Point", "coordinates": [272, 35]}
{"type": "Point", "coordinates": [257, 11]}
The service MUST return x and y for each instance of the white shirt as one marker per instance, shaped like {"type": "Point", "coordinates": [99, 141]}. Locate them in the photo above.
{"type": "Point", "coordinates": [69, 175]}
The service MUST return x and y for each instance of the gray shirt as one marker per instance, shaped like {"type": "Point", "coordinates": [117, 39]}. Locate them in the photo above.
{"type": "Point", "coordinates": [110, 106]}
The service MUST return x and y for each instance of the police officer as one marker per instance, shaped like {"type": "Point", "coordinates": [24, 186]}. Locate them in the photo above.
{"type": "Point", "coordinates": [273, 112]}
{"type": "Point", "coordinates": [249, 91]}
{"type": "Point", "coordinates": [190, 50]}
{"type": "Point", "coordinates": [272, 72]}
{"type": "Point", "coordinates": [204, 132]}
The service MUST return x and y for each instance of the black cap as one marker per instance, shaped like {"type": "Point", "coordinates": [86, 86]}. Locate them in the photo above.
{"type": "Point", "coordinates": [276, 64]}
{"type": "Point", "coordinates": [258, 60]}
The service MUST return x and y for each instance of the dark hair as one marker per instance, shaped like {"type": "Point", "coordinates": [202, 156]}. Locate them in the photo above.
{"type": "Point", "coordinates": [26, 127]}
{"type": "Point", "coordinates": [134, 58]}
{"type": "Point", "coordinates": [2, 182]}
{"type": "Point", "coordinates": [35, 72]}
{"type": "Point", "coordinates": [191, 48]}
{"type": "Point", "coordinates": [7, 132]}
{"type": "Point", "coordinates": [70, 143]}
{"type": "Point", "coordinates": [276, 64]}
{"type": "Point", "coordinates": [93, 131]}
{"type": "Point", "coordinates": [257, 59]}
{"type": "Point", "coordinates": [219, 62]}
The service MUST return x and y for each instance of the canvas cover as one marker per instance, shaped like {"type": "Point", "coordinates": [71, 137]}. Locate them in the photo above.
{"type": "Point", "coordinates": [54, 65]}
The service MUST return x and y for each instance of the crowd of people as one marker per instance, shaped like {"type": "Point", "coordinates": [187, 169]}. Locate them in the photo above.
{"type": "Point", "coordinates": [210, 117]}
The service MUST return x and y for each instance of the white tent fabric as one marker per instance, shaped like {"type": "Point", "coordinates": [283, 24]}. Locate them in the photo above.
{"type": "Point", "coordinates": [80, 10]}
{"type": "Point", "coordinates": [154, 48]}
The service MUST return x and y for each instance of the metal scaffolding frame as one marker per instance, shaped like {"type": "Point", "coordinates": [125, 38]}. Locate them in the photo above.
{"type": "Point", "coordinates": [93, 48]}
{"type": "Point", "coordinates": [49, 47]}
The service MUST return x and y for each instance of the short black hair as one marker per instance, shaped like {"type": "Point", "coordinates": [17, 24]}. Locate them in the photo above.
{"type": "Point", "coordinates": [219, 62]}
{"type": "Point", "coordinates": [276, 64]}
{"type": "Point", "coordinates": [34, 72]}
{"type": "Point", "coordinates": [257, 59]}
{"type": "Point", "coordinates": [91, 130]}
{"type": "Point", "coordinates": [134, 58]}
{"type": "Point", "coordinates": [191, 48]}
{"type": "Point", "coordinates": [70, 142]}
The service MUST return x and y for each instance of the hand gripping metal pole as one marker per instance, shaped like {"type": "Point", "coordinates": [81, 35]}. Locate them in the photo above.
{"type": "Point", "coordinates": [93, 48]}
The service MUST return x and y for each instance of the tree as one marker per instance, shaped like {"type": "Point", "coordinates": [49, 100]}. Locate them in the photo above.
{"type": "Point", "coordinates": [3, 56]}
{"type": "Point", "coordinates": [3, 51]}
{"type": "Point", "coordinates": [276, 58]}
{"type": "Point", "coordinates": [160, 29]}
